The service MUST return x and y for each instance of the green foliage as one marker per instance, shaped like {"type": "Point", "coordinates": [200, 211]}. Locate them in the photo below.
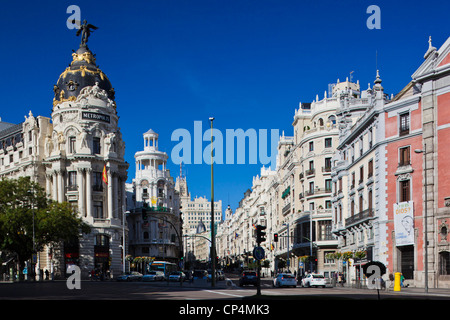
{"type": "Point", "coordinates": [23, 203]}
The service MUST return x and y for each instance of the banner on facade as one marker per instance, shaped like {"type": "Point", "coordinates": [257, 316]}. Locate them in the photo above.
{"type": "Point", "coordinates": [404, 223]}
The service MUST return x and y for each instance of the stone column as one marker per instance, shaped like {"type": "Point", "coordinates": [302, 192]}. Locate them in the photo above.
{"type": "Point", "coordinates": [48, 184]}
{"type": "Point", "coordinates": [110, 195]}
{"type": "Point", "coordinates": [89, 192]}
{"type": "Point", "coordinates": [60, 186]}
{"type": "Point", "coordinates": [54, 194]}
{"type": "Point", "coordinates": [81, 192]}
{"type": "Point", "coordinates": [115, 196]}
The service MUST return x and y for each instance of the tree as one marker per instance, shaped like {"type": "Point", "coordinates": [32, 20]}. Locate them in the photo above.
{"type": "Point", "coordinates": [29, 220]}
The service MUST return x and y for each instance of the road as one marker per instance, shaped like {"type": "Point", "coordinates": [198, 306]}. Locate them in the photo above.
{"type": "Point", "coordinates": [199, 290]}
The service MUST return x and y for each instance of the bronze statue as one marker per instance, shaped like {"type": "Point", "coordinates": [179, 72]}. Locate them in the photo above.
{"type": "Point", "coordinates": [85, 31]}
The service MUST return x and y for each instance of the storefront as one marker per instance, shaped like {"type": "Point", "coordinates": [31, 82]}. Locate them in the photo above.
{"type": "Point", "coordinates": [101, 253]}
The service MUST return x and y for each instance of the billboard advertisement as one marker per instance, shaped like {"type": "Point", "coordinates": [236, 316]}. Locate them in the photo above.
{"type": "Point", "coordinates": [404, 223]}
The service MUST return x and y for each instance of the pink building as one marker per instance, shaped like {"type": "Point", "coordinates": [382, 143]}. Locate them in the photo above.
{"type": "Point", "coordinates": [417, 130]}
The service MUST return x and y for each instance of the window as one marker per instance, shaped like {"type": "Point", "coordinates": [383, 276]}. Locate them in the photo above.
{"type": "Point", "coordinates": [361, 203]}
{"type": "Point", "coordinates": [353, 180]}
{"type": "Point", "coordinates": [327, 204]}
{"type": "Point", "coordinates": [325, 230]}
{"type": "Point", "coordinates": [327, 167]}
{"type": "Point", "coordinates": [96, 145]}
{"type": "Point", "coordinates": [404, 124]}
{"type": "Point", "coordinates": [101, 240]}
{"type": "Point", "coordinates": [370, 169]}
{"type": "Point", "coordinates": [404, 155]}
{"type": "Point", "coordinates": [328, 142]}
{"type": "Point", "coordinates": [370, 199]}
{"type": "Point", "coordinates": [98, 210]}
{"type": "Point", "coordinates": [328, 185]}
{"type": "Point", "coordinates": [97, 179]}
{"type": "Point", "coordinates": [404, 191]}
{"type": "Point", "coordinates": [311, 146]}
{"type": "Point", "coordinates": [361, 146]}
{"type": "Point", "coordinates": [311, 187]}
{"type": "Point", "coordinates": [328, 254]}
{"type": "Point", "coordinates": [72, 145]}
{"type": "Point", "coordinates": [72, 176]}
{"type": "Point", "coordinates": [361, 174]}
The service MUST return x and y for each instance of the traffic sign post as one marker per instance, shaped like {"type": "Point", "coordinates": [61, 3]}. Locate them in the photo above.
{"type": "Point", "coordinates": [258, 254]}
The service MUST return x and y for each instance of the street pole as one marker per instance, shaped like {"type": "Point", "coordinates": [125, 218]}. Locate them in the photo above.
{"type": "Point", "coordinates": [425, 214]}
{"type": "Point", "coordinates": [426, 219]}
{"type": "Point", "coordinates": [310, 242]}
{"type": "Point", "coordinates": [124, 213]}
{"type": "Point", "coordinates": [213, 237]}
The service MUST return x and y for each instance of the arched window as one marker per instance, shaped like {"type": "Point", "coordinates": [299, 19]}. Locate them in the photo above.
{"type": "Point", "coordinates": [320, 122]}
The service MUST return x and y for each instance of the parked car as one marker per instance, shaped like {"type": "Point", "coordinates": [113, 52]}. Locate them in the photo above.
{"type": "Point", "coordinates": [285, 280]}
{"type": "Point", "coordinates": [314, 280]}
{"type": "Point", "coordinates": [248, 277]}
{"type": "Point", "coordinates": [133, 276]}
{"type": "Point", "coordinates": [153, 276]}
{"type": "Point", "coordinates": [177, 276]}
{"type": "Point", "coordinates": [200, 274]}
{"type": "Point", "coordinates": [210, 275]}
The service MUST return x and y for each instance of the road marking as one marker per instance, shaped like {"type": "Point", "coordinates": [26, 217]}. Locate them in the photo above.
{"type": "Point", "coordinates": [226, 294]}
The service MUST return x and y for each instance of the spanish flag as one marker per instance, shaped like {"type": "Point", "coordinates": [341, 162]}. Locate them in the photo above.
{"type": "Point", "coordinates": [104, 175]}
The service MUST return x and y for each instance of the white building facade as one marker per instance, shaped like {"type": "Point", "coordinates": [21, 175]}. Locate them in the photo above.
{"type": "Point", "coordinates": [153, 205]}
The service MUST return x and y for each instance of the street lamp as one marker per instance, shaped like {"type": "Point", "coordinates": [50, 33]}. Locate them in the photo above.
{"type": "Point", "coordinates": [425, 213]}
{"type": "Point", "coordinates": [31, 193]}
{"type": "Point", "coordinates": [213, 238]}
{"type": "Point", "coordinates": [124, 214]}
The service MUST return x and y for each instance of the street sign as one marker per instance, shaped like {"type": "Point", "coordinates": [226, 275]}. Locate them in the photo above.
{"type": "Point", "coordinates": [258, 253]}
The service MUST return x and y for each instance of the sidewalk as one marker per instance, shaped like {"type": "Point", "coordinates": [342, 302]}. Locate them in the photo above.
{"type": "Point", "coordinates": [438, 292]}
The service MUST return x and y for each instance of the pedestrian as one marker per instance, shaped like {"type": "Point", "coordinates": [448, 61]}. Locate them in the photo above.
{"type": "Point", "coordinates": [46, 274]}
{"type": "Point", "coordinates": [402, 278]}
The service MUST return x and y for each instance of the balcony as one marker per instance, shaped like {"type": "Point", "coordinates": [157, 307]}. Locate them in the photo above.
{"type": "Point", "coordinates": [310, 172]}
{"type": "Point", "coordinates": [326, 169]}
{"type": "Point", "coordinates": [359, 217]}
{"type": "Point", "coordinates": [286, 209]}
{"type": "Point", "coordinates": [72, 188]}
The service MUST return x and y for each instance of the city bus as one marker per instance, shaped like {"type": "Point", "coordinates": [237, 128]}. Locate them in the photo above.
{"type": "Point", "coordinates": [164, 266]}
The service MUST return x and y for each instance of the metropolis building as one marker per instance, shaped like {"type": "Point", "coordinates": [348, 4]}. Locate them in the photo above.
{"type": "Point", "coordinates": [67, 154]}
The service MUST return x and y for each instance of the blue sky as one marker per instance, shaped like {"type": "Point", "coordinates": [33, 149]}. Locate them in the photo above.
{"type": "Point", "coordinates": [247, 63]}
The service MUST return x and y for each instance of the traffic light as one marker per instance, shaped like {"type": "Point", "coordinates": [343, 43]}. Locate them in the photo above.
{"type": "Point", "coordinates": [144, 214]}
{"type": "Point", "coordinates": [275, 237]}
{"type": "Point", "coordinates": [260, 235]}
